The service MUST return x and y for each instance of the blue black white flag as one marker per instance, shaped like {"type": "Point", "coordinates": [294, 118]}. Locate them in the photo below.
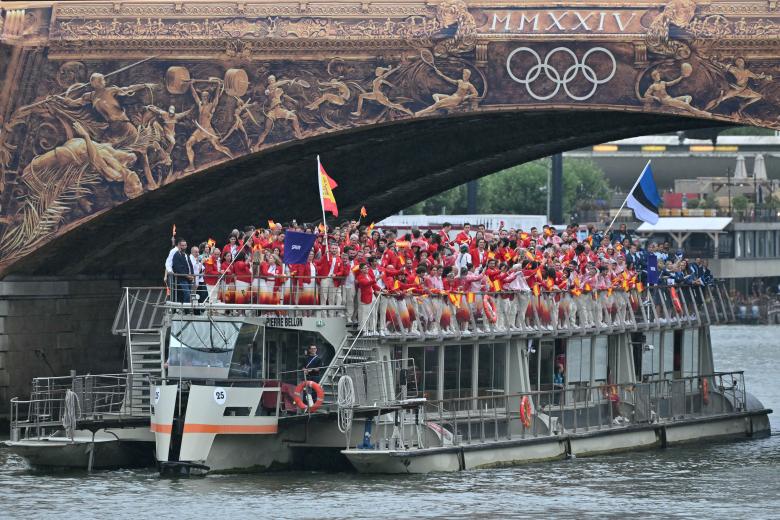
{"type": "Point", "coordinates": [644, 199]}
{"type": "Point", "coordinates": [297, 246]}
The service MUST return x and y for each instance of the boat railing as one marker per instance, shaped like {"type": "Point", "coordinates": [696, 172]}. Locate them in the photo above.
{"type": "Point", "coordinates": [274, 290]}
{"type": "Point", "coordinates": [433, 314]}
{"type": "Point", "coordinates": [373, 384]}
{"type": "Point", "coordinates": [541, 312]}
{"type": "Point", "coordinates": [560, 411]}
{"type": "Point", "coordinates": [61, 405]}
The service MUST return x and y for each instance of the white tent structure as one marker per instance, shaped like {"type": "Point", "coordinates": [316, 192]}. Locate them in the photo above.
{"type": "Point", "coordinates": [740, 170]}
{"type": "Point", "coordinates": [759, 168]}
{"type": "Point", "coordinates": [680, 228]}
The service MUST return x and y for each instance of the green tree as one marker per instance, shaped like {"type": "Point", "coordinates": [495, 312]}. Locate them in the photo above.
{"type": "Point", "coordinates": [709, 202]}
{"type": "Point", "coordinates": [739, 203]}
{"type": "Point", "coordinates": [522, 190]}
{"type": "Point", "coordinates": [747, 130]}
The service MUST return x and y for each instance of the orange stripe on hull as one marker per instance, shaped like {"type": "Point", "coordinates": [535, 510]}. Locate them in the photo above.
{"type": "Point", "coordinates": [161, 428]}
{"type": "Point", "coordinates": [230, 428]}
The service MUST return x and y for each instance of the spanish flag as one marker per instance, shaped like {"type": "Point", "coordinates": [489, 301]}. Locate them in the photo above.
{"type": "Point", "coordinates": [327, 185]}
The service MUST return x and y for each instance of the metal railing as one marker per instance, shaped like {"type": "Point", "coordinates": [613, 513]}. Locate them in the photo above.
{"type": "Point", "coordinates": [58, 404]}
{"type": "Point", "coordinates": [283, 289]}
{"type": "Point", "coordinates": [504, 312]}
{"type": "Point", "coordinates": [375, 383]}
{"type": "Point", "coordinates": [437, 313]}
{"type": "Point", "coordinates": [577, 410]}
{"type": "Point", "coordinates": [139, 310]}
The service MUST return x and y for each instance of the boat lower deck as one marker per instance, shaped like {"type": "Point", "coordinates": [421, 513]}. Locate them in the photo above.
{"type": "Point", "coordinates": [490, 453]}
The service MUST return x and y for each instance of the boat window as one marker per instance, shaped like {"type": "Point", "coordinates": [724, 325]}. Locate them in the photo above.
{"type": "Point", "coordinates": [651, 356]}
{"type": "Point", "coordinates": [546, 365]}
{"type": "Point", "coordinates": [668, 354]}
{"type": "Point", "coordinates": [600, 353]}
{"type": "Point", "coordinates": [247, 354]}
{"type": "Point", "coordinates": [426, 362]}
{"type": "Point", "coordinates": [578, 360]}
{"type": "Point", "coordinates": [457, 371]}
{"type": "Point", "coordinates": [690, 360]}
{"type": "Point", "coordinates": [678, 352]}
{"type": "Point", "coordinates": [286, 352]}
{"type": "Point", "coordinates": [533, 363]}
{"type": "Point", "coordinates": [491, 369]}
{"type": "Point", "coordinates": [201, 349]}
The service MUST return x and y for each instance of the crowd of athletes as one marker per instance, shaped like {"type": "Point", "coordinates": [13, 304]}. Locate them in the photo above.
{"type": "Point", "coordinates": [439, 280]}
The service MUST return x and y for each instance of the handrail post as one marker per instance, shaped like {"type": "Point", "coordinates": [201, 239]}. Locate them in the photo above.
{"type": "Point", "coordinates": [128, 341]}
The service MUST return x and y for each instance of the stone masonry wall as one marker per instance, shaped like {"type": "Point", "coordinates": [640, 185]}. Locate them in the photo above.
{"type": "Point", "coordinates": [50, 326]}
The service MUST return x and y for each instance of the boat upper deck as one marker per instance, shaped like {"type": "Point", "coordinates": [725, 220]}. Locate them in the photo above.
{"type": "Point", "coordinates": [438, 315]}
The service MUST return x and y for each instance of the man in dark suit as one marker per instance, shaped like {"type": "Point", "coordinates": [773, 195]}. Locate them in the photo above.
{"type": "Point", "coordinates": [183, 272]}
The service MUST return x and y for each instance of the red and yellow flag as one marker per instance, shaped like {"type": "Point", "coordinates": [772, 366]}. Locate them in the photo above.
{"type": "Point", "coordinates": [327, 185]}
{"type": "Point", "coordinates": [363, 212]}
{"type": "Point", "coordinates": [271, 224]}
{"type": "Point", "coordinates": [370, 227]}
{"type": "Point", "coordinates": [211, 242]}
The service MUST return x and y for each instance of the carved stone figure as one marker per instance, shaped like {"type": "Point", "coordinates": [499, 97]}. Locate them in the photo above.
{"type": "Point", "coordinates": [740, 89]}
{"type": "Point", "coordinates": [657, 92]}
{"type": "Point", "coordinates": [465, 92]}
{"type": "Point", "coordinates": [376, 94]}
{"type": "Point", "coordinates": [338, 98]}
{"type": "Point", "coordinates": [242, 107]}
{"type": "Point", "coordinates": [275, 92]}
{"type": "Point", "coordinates": [169, 121]}
{"type": "Point", "coordinates": [679, 13]}
{"type": "Point", "coordinates": [104, 100]}
{"type": "Point", "coordinates": [204, 131]}
{"type": "Point", "coordinates": [113, 164]}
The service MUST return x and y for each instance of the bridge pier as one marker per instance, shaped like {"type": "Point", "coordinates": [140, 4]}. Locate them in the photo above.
{"type": "Point", "coordinates": [52, 325]}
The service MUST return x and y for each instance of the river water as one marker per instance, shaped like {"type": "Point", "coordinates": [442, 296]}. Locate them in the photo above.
{"type": "Point", "coordinates": [715, 480]}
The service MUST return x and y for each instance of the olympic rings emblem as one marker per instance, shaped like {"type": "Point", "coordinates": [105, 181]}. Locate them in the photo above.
{"type": "Point", "coordinates": [561, 80]}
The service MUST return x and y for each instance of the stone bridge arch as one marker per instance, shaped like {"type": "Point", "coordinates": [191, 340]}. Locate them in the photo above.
{"type": "Point", "coordinates": [94, 162]}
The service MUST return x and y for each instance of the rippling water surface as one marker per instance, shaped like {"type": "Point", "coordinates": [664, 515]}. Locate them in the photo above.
{"type": "Point", "coordinates": [716, 480]}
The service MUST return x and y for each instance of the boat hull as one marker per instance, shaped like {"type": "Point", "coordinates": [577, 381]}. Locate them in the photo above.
{"type": "Point", "coordinates": [75, 454]}
{"type": "Point", "coordinates": [598, 442]}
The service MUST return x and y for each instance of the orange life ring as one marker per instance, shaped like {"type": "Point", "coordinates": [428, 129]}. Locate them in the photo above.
{"type": "Point", "coordinates": [297, 395]}
{"type": "Point", "coordinates": [490, 308]}
{"type": "Point", "coordinates": [705, 391]}
{"type": "Point", "coordinates": [525, 411]}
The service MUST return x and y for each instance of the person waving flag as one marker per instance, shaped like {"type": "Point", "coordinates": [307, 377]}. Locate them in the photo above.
{"type": "Point", "coordinates": [644, 199]}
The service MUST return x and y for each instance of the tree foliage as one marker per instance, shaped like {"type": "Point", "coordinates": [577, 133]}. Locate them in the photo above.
{"type": "Point", "coordinates": [739, 202]}
{"type": "Point", "coordinates": [522, 190]}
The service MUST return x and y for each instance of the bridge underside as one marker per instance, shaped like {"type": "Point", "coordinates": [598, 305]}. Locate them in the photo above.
{"type": "Point", "coordinates": [386, 168]}
{"type": "Point", "coordinates": [122, 118]}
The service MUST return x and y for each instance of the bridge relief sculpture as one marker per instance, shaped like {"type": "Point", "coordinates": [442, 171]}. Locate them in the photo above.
{"type": "Point", "coordinates": [89, 128]}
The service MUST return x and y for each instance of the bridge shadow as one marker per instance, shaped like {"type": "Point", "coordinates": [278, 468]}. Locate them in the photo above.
{"type": "Point", "coordinates": [385, 167]}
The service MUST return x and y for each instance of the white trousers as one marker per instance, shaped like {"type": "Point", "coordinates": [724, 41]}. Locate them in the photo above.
{"type": "Point", "coordinates": [366, 316]}
{"type": "Point", "coordinates": [349, 295]}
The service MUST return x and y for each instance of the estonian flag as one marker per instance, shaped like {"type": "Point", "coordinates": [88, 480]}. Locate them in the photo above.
{"type": "Point", "coordinates": [644, 199]}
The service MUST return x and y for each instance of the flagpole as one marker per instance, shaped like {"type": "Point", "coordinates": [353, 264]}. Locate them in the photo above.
{"type": "Point", "coordinates": [322, 206]}
{"type": "Point", "coordinates": [626, 200]}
